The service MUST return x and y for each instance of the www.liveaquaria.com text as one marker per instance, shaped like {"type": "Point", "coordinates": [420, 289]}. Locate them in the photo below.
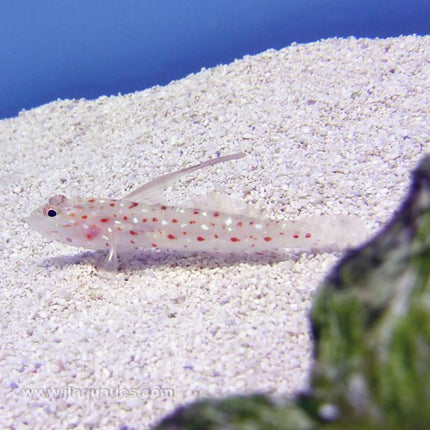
{"type": "Point", "coordinates": [70, 391]}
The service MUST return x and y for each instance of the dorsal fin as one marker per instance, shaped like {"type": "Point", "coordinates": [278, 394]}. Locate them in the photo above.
{"type": "Point", "coordinates": [145, 192]}
{"type": "Point", "coordinates": [221, 202]}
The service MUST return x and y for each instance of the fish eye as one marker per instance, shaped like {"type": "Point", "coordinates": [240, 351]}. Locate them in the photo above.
{"type": "Point", "coordinates": [50, 211]}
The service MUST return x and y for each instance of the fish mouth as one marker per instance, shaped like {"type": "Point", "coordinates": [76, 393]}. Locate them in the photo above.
{"type": "Point", "coordinates": [35, 221]}
{"type": "Point", "coordinates": [31, 220]}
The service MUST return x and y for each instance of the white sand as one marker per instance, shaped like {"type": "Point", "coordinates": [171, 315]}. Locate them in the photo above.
{"type": "Point", "coordinates": [328, 127]}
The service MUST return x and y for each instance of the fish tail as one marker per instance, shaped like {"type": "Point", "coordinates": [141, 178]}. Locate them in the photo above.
{"type": "Point", "coordinates": [324, 232]}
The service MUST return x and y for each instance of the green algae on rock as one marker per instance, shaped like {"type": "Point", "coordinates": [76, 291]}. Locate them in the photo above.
{"type": "Point", "coordinates": [371, 327]}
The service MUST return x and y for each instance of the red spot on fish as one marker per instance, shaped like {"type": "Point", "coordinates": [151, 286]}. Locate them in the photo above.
{"type": "Point", "coordinates": [155, 219]}
{"type": "Point", "coordinates": [69, 240]}
{"type": "Point", "coordinates": [267, 238]}
{"type": "Point", "coordinates": [163, 208]}
{"type": "Point", "coordinates": [91, 200]}
{"type": "Point", "coordinates": [107, 244]}
{"type": "Point", "coordinates": [132, 242]}
{"type": "Point", "coordinates": [216, 214]}
{"type": "Point", "coordinates": [72, 214]}
{"type": "Point", "coordinates": [215, 236]}
{"type": "Point", "coordinates": [133, 233]}
{"type": "Point", "coordinates": [251, 222]}
{"type": "Point", "coordinates": [296, 236]}
{"type": "Point", "coordinates": [239, 224]}
{"type": "Point", "coordinates": [154, 245]}
{"type": "Point", "coordinates": [112, 204]}
{"type": "Point", "coordinates": [171, 236]}
{"type": "Point", "coordinates": [104, 219]}
{"type": "Point", "coordinates": [213, 224]}
{"type": "Point", "coordinates": [84, 216]}
{"type": "Point", "coordinates": [174, 220]}
{"type": "Point", "coordinates": [235, 239]}
{"type": "Point", "coordinates": [200, 238]}
{"type": "Point", "coordinates": [184, 233]}
{"type": "Point", "coordinates": [133, 205]}
{"type": "Point", "coordinates": [92, 232]}
{"type": "Point", "coordinates": [125, 217]}
{"type": "Point", "coordinates": [144, 219]}
{"type": "Point", "coordinates": [307, 235]}
{"type": "Point", "coordinates": [196, 212]}
{"type": "Point", "coordinates": [192, 222]}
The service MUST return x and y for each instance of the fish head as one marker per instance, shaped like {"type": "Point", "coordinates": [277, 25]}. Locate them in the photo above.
{"type": "Point", "coordinates": [58, 220]}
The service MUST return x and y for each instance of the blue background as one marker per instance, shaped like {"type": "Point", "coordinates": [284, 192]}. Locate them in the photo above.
{"type": "Point", "coordinates": [70, 49]}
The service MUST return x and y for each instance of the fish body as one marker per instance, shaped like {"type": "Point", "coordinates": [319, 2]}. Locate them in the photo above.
{"type": "Point", "coordinates": [131, 223]}
{"type": "Point", "coordinates": [124, 225]}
